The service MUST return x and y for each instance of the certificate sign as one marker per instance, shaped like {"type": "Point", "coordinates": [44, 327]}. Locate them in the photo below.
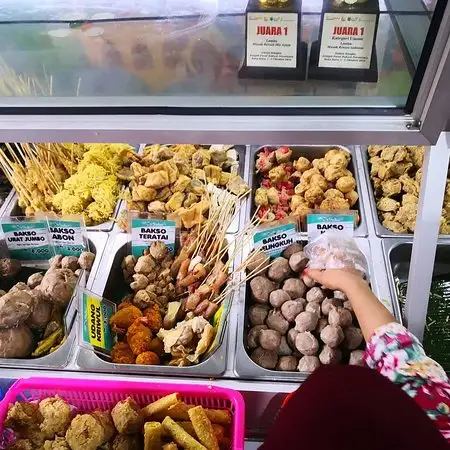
{"type": "Point", "coordinates": [347, 40]}
{"type": "Point", "coordinates": [272, 39]}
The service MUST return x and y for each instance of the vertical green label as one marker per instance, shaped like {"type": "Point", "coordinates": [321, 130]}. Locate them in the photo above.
{"type": "Point", "coordinates": [95, 313]}
{"type": "Point", "coordinates": [27, 241]}
{"type": "Point", "coordinates": [273, 241]}
{"type": "Point", "coordinates": [67, 237]}
{"type": "Point", "coordinates": [146, 231]}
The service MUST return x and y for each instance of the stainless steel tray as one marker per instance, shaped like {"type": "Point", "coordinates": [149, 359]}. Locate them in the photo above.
{"type": "Point", "coordinates": [61, 357]}
{"type": "Point", "coordinates": [246, 368]}
{"type": "Point", "coordinates": [109, 283]}
{"type": "Point", "coordinates": [397, 254]}
{"type": "Point", "coordinates": [380, 230]}
{"type": "Point", "coordinates": [311, 152]}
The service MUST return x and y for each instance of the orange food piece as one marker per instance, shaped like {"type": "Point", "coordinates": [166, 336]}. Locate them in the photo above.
{"type": "Point", "coordinates": [139, 337]}
{"type": "Point", "coordinates": [121, 354]}
{"type": "Point", "coordinates": [154, 318]}
{"type": "Point", "coordinates": [124, 317]}
{"type": "Point", "coordinates": [148, 359]}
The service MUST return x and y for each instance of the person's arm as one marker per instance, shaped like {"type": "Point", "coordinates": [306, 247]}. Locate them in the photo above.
{"type": "Point", "coordinates": [369, 311]}
{"type": "Point", "coordinates": [391, 349]}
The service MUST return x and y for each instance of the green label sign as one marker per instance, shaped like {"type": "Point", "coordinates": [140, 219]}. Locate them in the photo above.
{"type": "Point", "coordinates": [146, 231]}
{"type": "Point", "coordinates": [67, 237]}
{"type": "Point", "coordinates": [273, 241]}
{"type": "Point", "coordinates": [27, 241]}
{"type": "Point", "coordinates": [318, 224]}
{"type": "Point", "coordinates": [95, 313]}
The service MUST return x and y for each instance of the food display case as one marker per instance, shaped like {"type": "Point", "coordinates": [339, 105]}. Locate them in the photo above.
{"type": "Point", "coordinates": [90, 72]}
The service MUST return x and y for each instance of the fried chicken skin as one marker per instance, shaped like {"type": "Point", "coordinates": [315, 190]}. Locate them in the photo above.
{"type": "Point", "coordinates": [139, 336]}
{"type": "Point", "coordinates": [121, 354]}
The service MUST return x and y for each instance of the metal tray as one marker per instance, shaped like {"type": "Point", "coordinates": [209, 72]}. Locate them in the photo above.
{"type": "Point", "coordinates": [246, 368]}
{"type": "Point", "coordinates": [311, 152]}
{"type": "Point", "coordinates": [241, 150]}
{"type": "Point", "coordinates": [110, 284]}
{"type": "Point", "coordinates": [397, 254]}
{"type": "Point", "coordinates": [380, 230]}
{"type": "Point", "coordinates": [60, 358]}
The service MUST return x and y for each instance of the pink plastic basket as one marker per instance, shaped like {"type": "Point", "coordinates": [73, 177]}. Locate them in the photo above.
{"type": "Point", "coordinates": [89, 395]}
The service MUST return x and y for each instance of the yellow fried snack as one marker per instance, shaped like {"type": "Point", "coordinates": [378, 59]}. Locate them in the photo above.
{"type": "Point", "coordinates": [160, 405]}
{"type": "Point", "coordinates": [203, 428]}
{"type": "Point", "coordinates": [152, 436]}
{"type": "Point", "coordinates": [170, 446]}
{"type": "Point", "coordinates": [179, 411]}
{"type": "Point", "coordinates": [180, 436]}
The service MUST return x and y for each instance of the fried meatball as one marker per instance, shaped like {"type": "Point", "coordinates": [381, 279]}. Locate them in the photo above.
{"type": "Point", "coordinates": [148, 359]}
{"type": "Point", "coordinates": [59, 443]}
{"type": "Point", "coordinates": [319, 180]}
{"type": "Point", "coordinates": [85, 433]}
{"type": "Point", "coordinates": [386, 204]}
{"type": "Point", "coordinates": [333, 193]}
{"type": "Point", "coordinates": [302, 164]}
{"type": "Point", "coordinates": [23, 414]}
{"type": "Point", "coordinates": [346, 184]}
{"type": "Point", "coordinates": [127, 416]}
{"type": "Point", "coordinates": [314, 195]}
{"type": "Point", "coordinates": [56, 414]}
{"type": "Point", "coordinates": [333, 173]}
{"type": "Point", "coordinates": [351, 197]}
{"type": "Point", "coordinates": [333, 204]}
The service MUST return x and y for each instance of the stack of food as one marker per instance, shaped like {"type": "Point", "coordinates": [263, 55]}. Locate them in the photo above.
{"type": "Point", "coordinates": [166, 424]}
{"type": "Point", "coordinates": [68, 178]}
{"type": "Point", "coordinates": [31, 313]}
{"type": "Point", "coordinates": [295, 186]}
{"type": "Point", "coordinates": [295, 324]}
{"type": "Point", "coordinates": [174, 180]}
{"type": "Point", "coordinates": [167, 317]}
{"type": "Point", "coordinates": [396, 173]}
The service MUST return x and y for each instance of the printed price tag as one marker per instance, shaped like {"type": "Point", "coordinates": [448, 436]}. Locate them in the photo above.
{"type": "Point", "coordinates": [146, 231]}
{"type": "Point", "coordinates": [272, 39]}
{"type": "Point", "coordinates": [67, 237]}
{"type": "Point", "coordinates": [274, 240]}
{"type": "Point", "coordinates": [95, 314]}
{"type": "Point", "coordinates": [317, 224]}
{"type": "Point", "coordinates": [27, 240]}
{"type": "Point", "coordinates": [347, 40]}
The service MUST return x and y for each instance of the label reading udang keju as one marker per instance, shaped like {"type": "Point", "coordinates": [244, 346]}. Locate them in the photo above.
{"type": "Point", "coordinates": [318, 224]}
{"type": "Point", "coordinates": [272, 39]}
{"type": "Point", "coordinates": [27, 241]}
{"type": "Point", "coordinates": [146, 231]}
{"type": "Point", "coordinates": [347, 40]}
{"type": "Point", "coordinates": [67, 237]}
{"type": "Point", "coordinates": [273, 241]}
{"type": "Point", "coordinates": [96, 313]}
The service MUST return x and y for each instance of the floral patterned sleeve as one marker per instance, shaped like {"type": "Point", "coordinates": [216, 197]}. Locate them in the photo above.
{"type": "Point", "coordinates": [398, 355]}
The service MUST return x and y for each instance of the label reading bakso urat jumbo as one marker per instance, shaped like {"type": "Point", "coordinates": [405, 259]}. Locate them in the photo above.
{"type": "Point", "coordinates": [27, 240]}
{"type": "Point", "coordinates": [273, 241]}
{"type": "Point", "coordinates": [146, 231]}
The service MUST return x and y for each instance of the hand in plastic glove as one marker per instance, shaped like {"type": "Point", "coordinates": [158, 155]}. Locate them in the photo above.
{"type": "Point", "coordinates": [369, 311]}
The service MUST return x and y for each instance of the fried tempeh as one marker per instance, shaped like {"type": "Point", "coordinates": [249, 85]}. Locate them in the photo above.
{"type": "Point", "coordinates": [181, 437]}
{"type": "Point", "coordinates": [152, 436]}
{"type": "Point", "coordinates": [162, 404]}
{"type": "Point", "coordinates": [203, 428]}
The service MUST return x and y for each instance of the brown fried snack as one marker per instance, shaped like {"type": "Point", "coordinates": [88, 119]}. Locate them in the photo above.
{"type": "Point", "coordinates": [148, 359]}
{"type": "Point", "coordinates": [59, 443]}
{"type": "Point", "coordinates": [154, 318]}
{"type": "Point", "coordinates": [105, 420]}
{"type": "Point", "coordinates": [85, 433]}
{"type": "Point", "coordinates": [56, 414]}
{"type": "Point", "coordinates": [127, 416]}
{"type": "Point", "coordinates": [125, 316]}
{"type": "Point", "coordinates": [139, 337]}
{"type": "Point", "coordinates": [21, 444]}
{"type": "Point", "coordinates": [157, 346]}
{"type": "Point", "coordinates": [152, 436]}
{"type": "Point", "coordinates": [121, 354]}
{"type": "Point", "coordinates": [123, 442]}
{"type": "Point", "coordinates": [22, 414]}
{"type": "Point", "coordinates": [183, 439]}
{"type": "Point", "coordinates": [203, 428]}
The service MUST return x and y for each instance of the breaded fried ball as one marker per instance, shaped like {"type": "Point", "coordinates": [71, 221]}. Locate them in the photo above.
{"type": "Point", "coordinates": [352, 197]}
{"type": "Point", "coordinates": [333, 173]}
{"type": "Point", "coordinates": [306, 177]}
{"type": "Point", "coordinates": [121, 354]}
{"type": "Point", "coordinates": [148, 359]}
{"type": "Point", "coordinates": [333, 204]}
{"type": "Point", "coordinates": [127, 416]}
{"type": "Point", "coordinates": [314, 195]}
{"type": "Point", "coordinates": [346, 184]}
{"type": "Point", "coordinates": [56, 414]}
{"type": "Point", "coordinates": [333, 193]}
{"type": "Point", "coordinates": [319, 180]}
{"type": "Point", "coordinates": [302, 164]}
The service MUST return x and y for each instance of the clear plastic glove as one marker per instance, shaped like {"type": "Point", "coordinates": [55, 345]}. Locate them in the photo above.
{"type": "Point", "coordinates": [335, 251]}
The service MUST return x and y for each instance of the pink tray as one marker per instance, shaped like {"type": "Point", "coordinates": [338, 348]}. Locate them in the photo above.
{"type": "Point", "coordinates": [89, 395]}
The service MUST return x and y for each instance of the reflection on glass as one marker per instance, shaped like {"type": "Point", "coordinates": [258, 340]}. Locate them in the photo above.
{"type": "Point", "coordinates": [159, 51]}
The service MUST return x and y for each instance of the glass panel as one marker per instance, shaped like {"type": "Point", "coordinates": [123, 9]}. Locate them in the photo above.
{"type": "Point", "coordinates": [183, 53]}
